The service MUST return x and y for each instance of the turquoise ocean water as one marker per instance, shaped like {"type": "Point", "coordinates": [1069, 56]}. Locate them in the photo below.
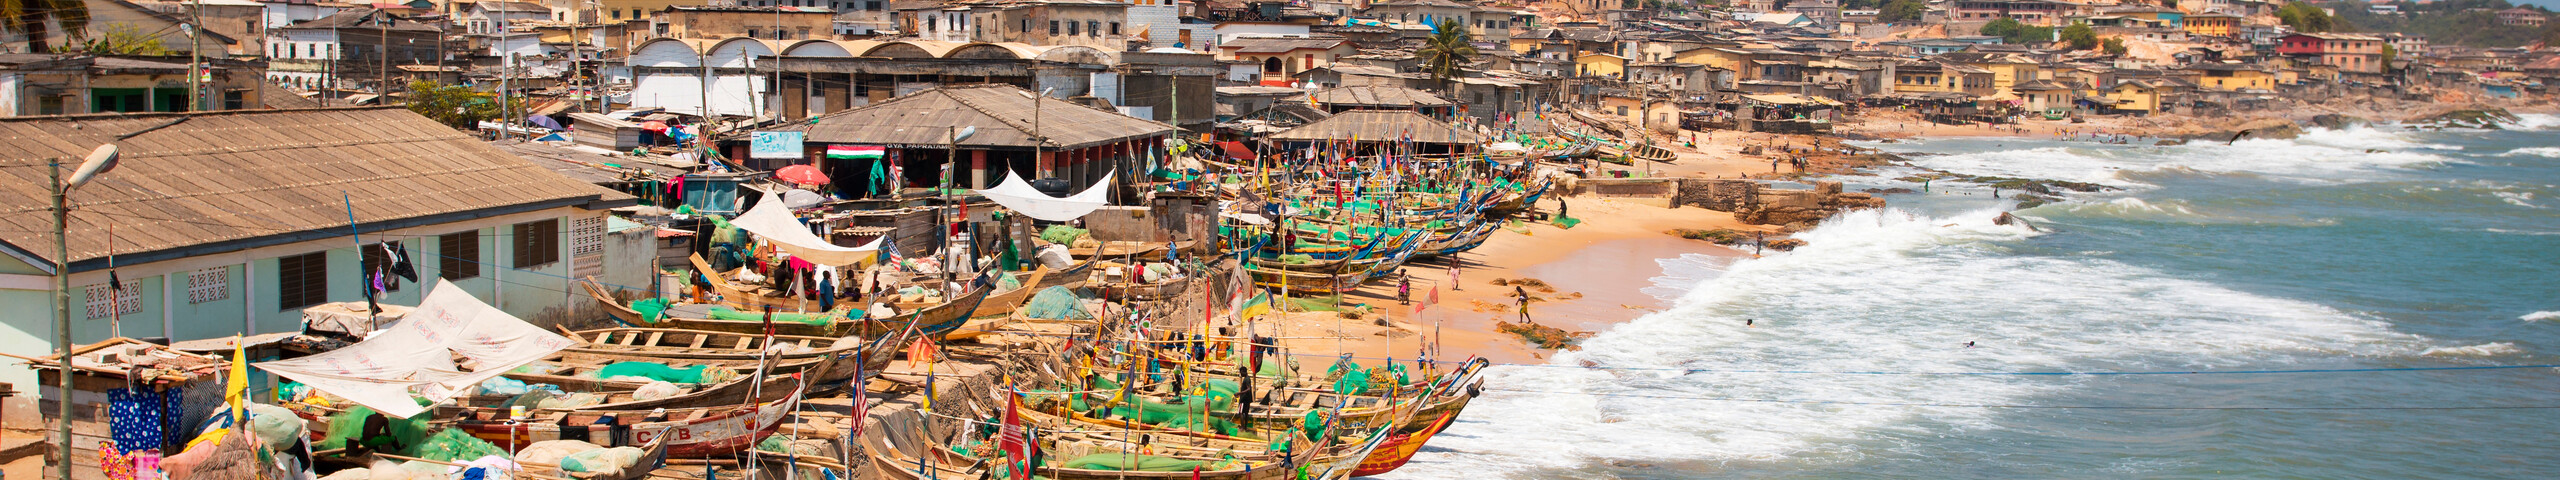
{"type": "Point", "coordinates": [2366, 248]}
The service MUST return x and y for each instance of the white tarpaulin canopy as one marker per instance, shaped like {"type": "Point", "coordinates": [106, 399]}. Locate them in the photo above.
{"type": "Point", "coordinates": [772, 220]}
{"type": "Point", "coordinates": [1018, 195]}
{"type": "Point", "coordinates": [416, 354]}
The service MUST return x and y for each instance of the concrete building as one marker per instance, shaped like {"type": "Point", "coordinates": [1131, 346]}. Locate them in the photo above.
{"type": "Point", "coordinates": [32, 84]}
{"type": "Point", "coordinates": [486, 18]}
{"type": "Point", "coordinates": [2349, 52]}
{"type": "Point", "coordinates": [772, 23]}
{"type": "Point", "coordinates": [232, 223]}
{"type": "Point", "coordinates": [352, 49]}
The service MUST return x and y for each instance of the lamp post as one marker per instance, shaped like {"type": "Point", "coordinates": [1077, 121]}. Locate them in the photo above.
{"type": "Point", "coordinates": [98, 162]}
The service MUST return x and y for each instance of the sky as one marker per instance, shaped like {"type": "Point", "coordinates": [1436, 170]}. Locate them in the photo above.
{"type": "Point", "coordinates": [2550, 4]}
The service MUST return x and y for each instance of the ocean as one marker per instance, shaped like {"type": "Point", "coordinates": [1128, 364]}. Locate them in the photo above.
{"type": "Point", "coordinates": [2372, 250]}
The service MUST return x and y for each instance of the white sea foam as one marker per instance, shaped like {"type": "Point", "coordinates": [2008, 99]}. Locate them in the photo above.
{"type": "Point", "coordinates": [2320, 155]}
{"type": "Point", "coordinates": [2481, 350]}
{"type": "Point", "coordinates": [1874, 290]}
{"type": "Point", "coordinates": [2553, 152]}
{"type": "Point", "coordinates": [2535, 121]}
{"type": "Point", "coordinates": [2521, 199]}
{"type": "Point", "coordinates": [2519, 232]}
{"type": "Point", "coordinates": [2540, 316]}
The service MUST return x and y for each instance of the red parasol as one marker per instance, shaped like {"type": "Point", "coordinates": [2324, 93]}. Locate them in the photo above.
{"type": "Point", "coordinates": [654, 126]}
{"type": "Point", "coordinates": [801, 174]}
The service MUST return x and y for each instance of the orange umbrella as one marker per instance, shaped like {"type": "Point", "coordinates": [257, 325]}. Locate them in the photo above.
{"type": "Point", "coordinates": [801, 174]}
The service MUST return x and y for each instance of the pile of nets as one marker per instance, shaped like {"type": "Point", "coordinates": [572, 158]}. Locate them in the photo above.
{"type": "Point", "coordinates": [1133, 463]}
{"type": "Point", "coordinates": [347, 429]}
{"type": "Point", "coordinates": [1056, 303]}
{"type": "Point", "coordinates": [651, 309]}
{"type": "Point", "coordinates": [454, 445]}
{"type": "Point", "coordinates": [1062, 234]}
{"type": "Point", "coordinates": [603, 461]}
{"type": "Point", "coordinates": [660, 372]}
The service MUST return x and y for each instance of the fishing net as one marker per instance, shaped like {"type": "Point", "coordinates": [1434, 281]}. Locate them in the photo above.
{"type": "Point", "coordinates": [1353, 382]}
{"type": "Point", "coordinates": [656, 391]}
{"type": "Point", "coordinates": [651, 309]}
{"type": "Point", "coordinates": [1297, 259]}
{"type": "Point", "coordinates": [1008, 282]}
{"type": "Point", "coordinates": [1062, 234]}
{"type": "Point", "coordinates": [453, 445]}
{"type": "Point", "coordinates": [1132, 463]}
{"type": "Point", "coordinates": [348, 427]}
{"type": "Point", "coordinates": [274, 425]}
{"type": "Point", "coordinates": [1056, 303]}
{"type": "Point", "coordinates": [697, 374]}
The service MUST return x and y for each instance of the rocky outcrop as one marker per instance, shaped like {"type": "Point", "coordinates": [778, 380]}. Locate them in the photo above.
{"type": "Point", "coordinates": [2334, 121]}
{"type": "Point", "coordinates": [1800, 209]}
{"type": "Point", "coordinates": [2259, 128]}
{"type": "Point", "coordinates": [2475, 116]}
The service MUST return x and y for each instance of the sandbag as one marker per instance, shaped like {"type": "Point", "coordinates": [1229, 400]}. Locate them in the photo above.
{"type": "Point", "coordinates": [274, 425]}
{"type": "Point", "coordinates": [656, 391]}
{"type": "Point", "coordinates": [1055, 257]}
{"type": "Point", "coordinates": [551, 452]}
{"type": "Point", "coordinates": [603, 461]}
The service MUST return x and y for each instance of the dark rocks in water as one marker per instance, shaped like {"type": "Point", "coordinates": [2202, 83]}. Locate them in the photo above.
{"type": "Point", "coordinates": [2169, 142]}
{"type": "Point", "coordinates": [2334, 121]}
{"type": "Point", "coordinates": [2469, 117]}
{"type": "Point", "coordinates": [2029, 200]}
{"type": "Point", "coordinates": [1784, 244]}
{"type": "Point", "coordinates": [1720, 236]}
{"type": "Point", "coordinates": [2262, 128]}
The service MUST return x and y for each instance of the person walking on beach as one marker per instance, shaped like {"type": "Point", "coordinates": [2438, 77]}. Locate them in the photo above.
{"type": "Point", "coordinates": [1404, 289]}
{"type": "Point", "coordinates": [1453, 275]}
{"type": "Point", "coordinates": [1523, 295]}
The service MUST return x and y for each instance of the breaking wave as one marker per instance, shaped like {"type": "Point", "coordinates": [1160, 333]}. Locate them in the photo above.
{"type": "Point", "coordinates": [1874, 290]}
{"type": "Point", "coordinates": [2539, 316]}
{"type": "Point", "coordinates": [2481, 350]}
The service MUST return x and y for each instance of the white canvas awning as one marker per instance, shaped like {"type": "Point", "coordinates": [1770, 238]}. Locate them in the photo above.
{"type": "Point", "coordinates": [415, 355]}
{"type": "Point", "coordinates": [1018, 195]}
{"type": "Point", "coordinates": [772, 220]}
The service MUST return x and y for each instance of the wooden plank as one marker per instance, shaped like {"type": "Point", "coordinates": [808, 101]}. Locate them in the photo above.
{"type": "Point", "coordinates": [654, 336]}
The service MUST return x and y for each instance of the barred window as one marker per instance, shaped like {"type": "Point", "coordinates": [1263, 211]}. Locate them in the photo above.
{"type": "Point", "coordinates": [209, 285]}
{"type": "Point", "coordinates": [127, 302]}
{"type": "Point", "coordinates": [458, 255]}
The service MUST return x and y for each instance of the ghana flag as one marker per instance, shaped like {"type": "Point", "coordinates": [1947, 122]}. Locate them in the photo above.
{"type": "Point", "coordinates": [856, 152]}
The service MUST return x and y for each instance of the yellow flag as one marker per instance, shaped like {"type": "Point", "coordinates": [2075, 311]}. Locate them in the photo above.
{"type": "Point", "coordinates": [236, 390]}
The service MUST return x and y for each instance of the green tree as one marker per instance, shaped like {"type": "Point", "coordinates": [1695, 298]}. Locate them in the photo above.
{"type": "Point", "coordinates": [29, 17]}
{"type": "Point", "coordinates": [1449, 49]}
{"type": "Point", "coordinates": [1860, 4]}
{"type": "Point", "coordinates": [2389, 54]}
{"type": "Point", "coordinates": [2115, 46]}
{"type": "Point", "coordinates": [1898, 11]}
{"type": "Point", "coordinates": [126, 39]}
{"type": "Point", "coordinates": [2080, 36]}
{"type": "Point", "coordinates": [453, 105]}
{"type": "Point", "coordinates": [2002, 28]}
{"type": "Point", "coordinates": [2304, 17]}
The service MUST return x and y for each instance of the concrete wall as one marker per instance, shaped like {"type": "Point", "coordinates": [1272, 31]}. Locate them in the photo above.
{"type": "Point", "coordinates": [249, 298]}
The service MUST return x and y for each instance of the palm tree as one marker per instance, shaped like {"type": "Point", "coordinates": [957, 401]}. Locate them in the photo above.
{"type": "Point", "coordinates": [29, 17]}
{"type": "Point", "coordinates": [1449, 49]}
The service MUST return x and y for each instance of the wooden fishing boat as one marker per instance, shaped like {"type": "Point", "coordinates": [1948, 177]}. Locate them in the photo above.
{"type": "Point", "coordinates": [747, 297]}
{"type": "Point", "coordinates": [574, 377]}
{"type": "Point", "coordinates": [1469, 241]}
{"type": "Point", "coordinates": [1307, 283]}
{"type": "Point", "coordinates": [1648, 152]}
{"type": "Point", "coordinates": [1070, 277]}
{"type": "Point", "coordinates": [1436, 414]}
{"type": "Point", "coordinates": [1000, 303]}
{"type": "Point", "coordinates": [688, 432]}
{"type": "Point", "coordinates": [821, 360]}
{"type": "Point", "coordinates": [935, 319]}
{"type": "Point", "coordinates": [901, 447]}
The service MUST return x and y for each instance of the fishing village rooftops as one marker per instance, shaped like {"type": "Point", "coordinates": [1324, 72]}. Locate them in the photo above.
{"type": "Point", "coordinates": [1380, 125]}
{"type": "Point", "coordinates": [1379, 96]}
{"type": "Point", "coordinates": [199, 183]}
{"type": "Point", "coordinates": [1265, 45]}
{"type": "Point", "coordinates": [1004, 115]}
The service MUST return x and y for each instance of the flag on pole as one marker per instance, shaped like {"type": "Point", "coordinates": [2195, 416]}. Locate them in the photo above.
{"type": "Point", "coordinates": [857, 152]}
{"type": "Point", "coordinates": [1427, 300]}
{"type": "Point", "coordinates": [1017, 447]}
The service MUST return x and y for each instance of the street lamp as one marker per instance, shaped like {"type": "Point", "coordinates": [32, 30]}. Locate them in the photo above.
{"type": "Point", "coordinates": [98, 162]}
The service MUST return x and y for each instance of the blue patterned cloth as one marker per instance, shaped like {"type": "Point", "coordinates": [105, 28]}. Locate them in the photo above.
{"type": "Point", "coordinates": [135, 418]}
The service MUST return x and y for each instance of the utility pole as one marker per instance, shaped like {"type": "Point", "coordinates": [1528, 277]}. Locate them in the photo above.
{"type": "Point", "coordinates": [195, 65]}
{"type": "Point", "coordinates": [382, 65]}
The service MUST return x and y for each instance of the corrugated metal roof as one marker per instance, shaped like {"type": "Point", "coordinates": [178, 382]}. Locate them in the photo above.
{"type": "Point", "coordinates": [235, 178]}
{"type": "Point", "coordinates": [1381, 96]}
{"type": "Point", "coordinates": [1003, 114]}
{"type": "Point", "coordinates": [1380, 125]}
